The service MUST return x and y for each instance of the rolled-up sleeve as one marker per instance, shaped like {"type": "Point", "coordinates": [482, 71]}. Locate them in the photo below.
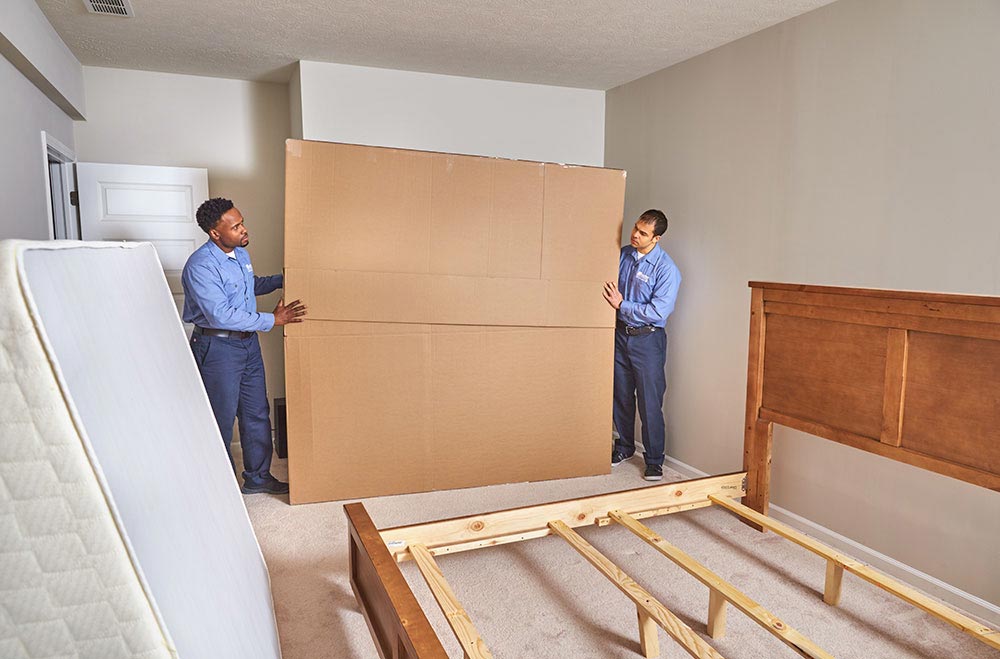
{"type": "Point", "coordinates": [207, 289]}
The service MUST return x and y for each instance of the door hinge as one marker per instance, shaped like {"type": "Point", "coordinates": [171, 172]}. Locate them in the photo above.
{"type": "Point", "coordinates": [74, 198]}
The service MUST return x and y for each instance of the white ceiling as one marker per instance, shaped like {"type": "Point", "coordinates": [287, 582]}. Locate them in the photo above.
{"type": "Point", "coordinates": [595, 44]}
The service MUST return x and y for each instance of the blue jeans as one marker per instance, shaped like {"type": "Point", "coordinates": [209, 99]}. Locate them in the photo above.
{"type": "Point", "coordinates": [233, 372]}
{"type": "Point", "coordinates": [640, 378]}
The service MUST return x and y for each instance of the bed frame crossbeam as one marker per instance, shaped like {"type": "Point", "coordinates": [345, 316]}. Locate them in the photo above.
{"type": "Point", "coordinates": [837, 563]}
{"type": "Point", "coordinates": [516, 524]}
{"type": "Point", "coordinates": [647, 606]}
{"type": "Point", "coordinates": [721, 591]}
{"type": "Point", "coordinates": [472, 643]}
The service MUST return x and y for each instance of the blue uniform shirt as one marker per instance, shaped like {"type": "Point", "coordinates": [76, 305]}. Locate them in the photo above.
{"type": "Point", "coordinates": [648, 285]}
{"type": "Point", "coordinates": [221, 292]}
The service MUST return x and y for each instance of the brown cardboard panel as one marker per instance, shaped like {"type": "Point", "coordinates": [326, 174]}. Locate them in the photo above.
{"type": "Point", "coordinates": [583, 216]}
{"type": "Point", "coordinates": [316, 329]}
{"type": "Point", "coordinates": [381, 208]}
{"type": "Point", "coordinates": [515, 247]}
{"type": "Point", "coordinates": [376, 414]}
{"type": "Point", "coordinates": [351, 207]}
{"type": "Point", "coordinates": [460, 214]}
{"type": "Point", "coordinates": [456, 328]}
{"type": "Point", "coordinates": [445, 299]}
{"type": "Point", "coordinates": [308, 203]}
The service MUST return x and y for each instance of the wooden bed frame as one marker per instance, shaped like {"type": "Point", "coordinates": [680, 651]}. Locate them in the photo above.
{"type": "Point", "coordinates": [909, 376]}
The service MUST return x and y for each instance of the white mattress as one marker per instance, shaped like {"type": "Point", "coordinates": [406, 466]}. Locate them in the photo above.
{"type": "Point", "coordinates": [122, 530]}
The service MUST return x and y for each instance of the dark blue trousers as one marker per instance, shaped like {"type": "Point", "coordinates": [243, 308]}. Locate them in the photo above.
{"type": "Point", "coordinates": [233, 372]}
{"type": "Point", "coordinates": [640, 378]}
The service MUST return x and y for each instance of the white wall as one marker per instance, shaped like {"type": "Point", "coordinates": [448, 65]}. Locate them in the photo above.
{"type": "Point", "coordinates": [856, 145]}
{"type": "Point", "coordinates": [24, 113]}
{"type": "Point", "coordinates": [235, 129]}
{"type": "Point", "coordinates": [32, 45]}
{"type": "Point", "coordinates": [382, 107]}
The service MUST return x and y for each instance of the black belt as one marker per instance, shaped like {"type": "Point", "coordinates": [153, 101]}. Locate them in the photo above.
{"type": "Point", "coordinates": [226, 334]}
{"type": "Point", "coordinates": [635, 331]}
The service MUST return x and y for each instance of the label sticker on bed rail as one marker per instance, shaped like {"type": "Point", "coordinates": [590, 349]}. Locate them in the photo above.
{"type": "Point", "coordinates": [396, 544]}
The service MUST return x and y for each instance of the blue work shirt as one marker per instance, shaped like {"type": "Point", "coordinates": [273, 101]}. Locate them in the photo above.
{"type": "Point", "coordinates": [648, 285]}
{"type": "Point", "coordinates": [221, 292]}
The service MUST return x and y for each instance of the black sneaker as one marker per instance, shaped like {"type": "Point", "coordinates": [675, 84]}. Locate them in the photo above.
{"type": "Point", "coordinates": [272, 486]}
{"type": "Point", "coordinates": [618, 457]}
{"type": "Point", "coordinates": [653, 473]}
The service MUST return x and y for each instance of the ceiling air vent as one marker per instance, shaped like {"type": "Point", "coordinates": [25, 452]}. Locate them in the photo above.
{"type": "Point", "coordinates": [109, 7]}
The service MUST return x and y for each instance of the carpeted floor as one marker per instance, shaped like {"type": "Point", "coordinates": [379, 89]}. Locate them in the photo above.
{"type": "Point", "coordinates": [541, 599]}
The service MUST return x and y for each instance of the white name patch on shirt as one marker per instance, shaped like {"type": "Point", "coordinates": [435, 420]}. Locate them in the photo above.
{"type": "Point", "coordinates": [641, 276]}
{"type": "Point", "coordinates": [248, 267]}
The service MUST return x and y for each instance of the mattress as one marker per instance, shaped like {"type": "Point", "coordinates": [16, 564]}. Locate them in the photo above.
{"type": "Point", "coordinates": [122, 529]}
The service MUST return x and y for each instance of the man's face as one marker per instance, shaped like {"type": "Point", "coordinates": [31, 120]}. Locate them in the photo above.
{"type": "Point", "coordinates": [230, 232]}
{"type": "Point", "coordinates": [642, 236]}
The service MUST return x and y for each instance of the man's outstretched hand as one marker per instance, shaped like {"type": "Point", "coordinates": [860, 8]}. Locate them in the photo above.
{"type": "Point", "coordinates": [292, 313]}
{"type": "Point", "coordinates": [612, 294]}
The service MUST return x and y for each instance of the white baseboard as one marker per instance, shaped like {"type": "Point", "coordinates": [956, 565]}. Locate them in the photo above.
{"type": "Point", "coordinates": [967, 602]}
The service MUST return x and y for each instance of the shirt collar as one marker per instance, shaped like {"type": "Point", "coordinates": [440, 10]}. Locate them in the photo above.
{"type": "Point", "coordinates": [219, 255]}
{"type": "Point", "coordinates": [652, 257]}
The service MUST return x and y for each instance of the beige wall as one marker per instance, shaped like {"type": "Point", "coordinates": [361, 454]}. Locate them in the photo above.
{"type": "Point", "coordinates": [24, 113]}
{"type": "Point", "coordinates": [235, 129]}
{"type": "Point", "coordinates": [856, 145]}
{"type": "Point", "coordinates": [453, 114]}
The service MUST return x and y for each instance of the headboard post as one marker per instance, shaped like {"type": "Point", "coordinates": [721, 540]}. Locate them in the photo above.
{"type": "Point", "coordinates": [757, 434]}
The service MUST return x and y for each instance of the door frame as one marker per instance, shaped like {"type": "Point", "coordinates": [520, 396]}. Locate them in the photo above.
{"type": "Point", "coordinates": [54, 150]}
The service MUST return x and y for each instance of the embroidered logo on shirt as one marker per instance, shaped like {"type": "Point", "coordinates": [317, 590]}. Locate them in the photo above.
{"type": "Point", "coordinates": [249, 267]}
{"type": "Point", "coordinates": [642, 276]}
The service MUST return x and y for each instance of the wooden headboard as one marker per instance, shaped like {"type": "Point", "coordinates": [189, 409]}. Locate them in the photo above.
{"type": "Point", "coordinates": [910, 376]}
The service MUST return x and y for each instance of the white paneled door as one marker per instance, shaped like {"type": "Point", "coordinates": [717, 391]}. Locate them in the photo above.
{"type": "Point", "coordinates": [144, 203]}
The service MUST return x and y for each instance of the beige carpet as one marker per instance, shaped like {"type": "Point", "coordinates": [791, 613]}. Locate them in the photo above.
{"type": "Point", "coordinates": [541, 599]}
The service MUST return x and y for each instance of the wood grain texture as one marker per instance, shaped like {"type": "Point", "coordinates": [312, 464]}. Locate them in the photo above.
{"type": "Point", "coordinates": [910, 376]}
{"type": "Point", "coordinates": [450, 536]}
{"type": "Point", "coordinates": [757, 434]}
{"type": "Point", "coordinates": [670, 623]}
{"type": "Point", "coordinates": [953, 400]}
{"type": "Point", "coordinates": [721, 591]}
{"type": "Point", "coordinates": [396, 622]}
{"type": "Point", "coordinates": [841, 296]}
{"type": "Point", "coordinates": [828, 372]}
{"type": "Point", "coordinates": [468, 637]}
{"type": "Point", "coordinates": [895, 386]}
{"type": "Point", "coordinates": [972, 627]}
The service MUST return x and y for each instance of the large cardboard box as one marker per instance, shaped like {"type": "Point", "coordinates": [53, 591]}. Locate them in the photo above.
{"type": "Point", "coordinates": [456, 333]}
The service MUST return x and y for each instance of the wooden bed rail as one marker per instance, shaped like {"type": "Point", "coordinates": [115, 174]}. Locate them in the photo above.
{"type": "Point", "coordinates": [837, 563]}
{"type": "Point", "coordinates": [396, 622]}
{"type": "Point", "coordinates": [399, 626]}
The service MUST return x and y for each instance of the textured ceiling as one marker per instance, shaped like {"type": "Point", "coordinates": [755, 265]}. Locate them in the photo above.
{"type": "Point", "coordinates": [595, 44]}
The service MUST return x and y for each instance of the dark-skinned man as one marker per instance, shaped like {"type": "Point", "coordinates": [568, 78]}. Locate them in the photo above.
{"type": "Point", "coordinates": [220, 291]}
{"type": "Point", "coordinates": [644, 297]}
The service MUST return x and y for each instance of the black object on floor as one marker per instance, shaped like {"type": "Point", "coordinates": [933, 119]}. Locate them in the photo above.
{"type": "Point", "coordinates": [280, 428]}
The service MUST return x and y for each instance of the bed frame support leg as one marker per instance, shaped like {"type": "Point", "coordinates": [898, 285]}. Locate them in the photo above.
{"type": "Point", "coordinates": [716, 614]}
{"type": "Point", "coordinates": [649, 638]}
{"type": "Point", "coordinates": [834, 579]}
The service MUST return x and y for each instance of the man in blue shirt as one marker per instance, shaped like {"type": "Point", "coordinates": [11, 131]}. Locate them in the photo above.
{"type": "Point", "coordinates": [644, 296]}
{"type": "Point", "coordinates": [220, 292]}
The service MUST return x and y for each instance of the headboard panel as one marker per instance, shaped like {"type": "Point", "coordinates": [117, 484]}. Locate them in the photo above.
{"type": "Point", "coordinates": [914, 377]}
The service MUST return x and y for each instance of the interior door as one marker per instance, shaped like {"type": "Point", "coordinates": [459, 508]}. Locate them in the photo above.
{"type": "Point", "coordinates": [144, 203]}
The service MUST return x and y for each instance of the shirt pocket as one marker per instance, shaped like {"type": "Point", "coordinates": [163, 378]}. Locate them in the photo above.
{"type": "Point", "coordinates": [644, 286]}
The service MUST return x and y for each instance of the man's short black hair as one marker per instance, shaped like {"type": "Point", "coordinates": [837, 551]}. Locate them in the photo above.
{"type": "Point", "coordinates": [210, 212]}
{"type": "Point", "coordinates": [657, 219]}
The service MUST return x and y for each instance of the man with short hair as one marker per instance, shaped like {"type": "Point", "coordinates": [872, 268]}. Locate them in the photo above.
{"type": "Point", "coordinates": [644, 296]}
{"type": "Point", "coordinates": [220, 291]}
